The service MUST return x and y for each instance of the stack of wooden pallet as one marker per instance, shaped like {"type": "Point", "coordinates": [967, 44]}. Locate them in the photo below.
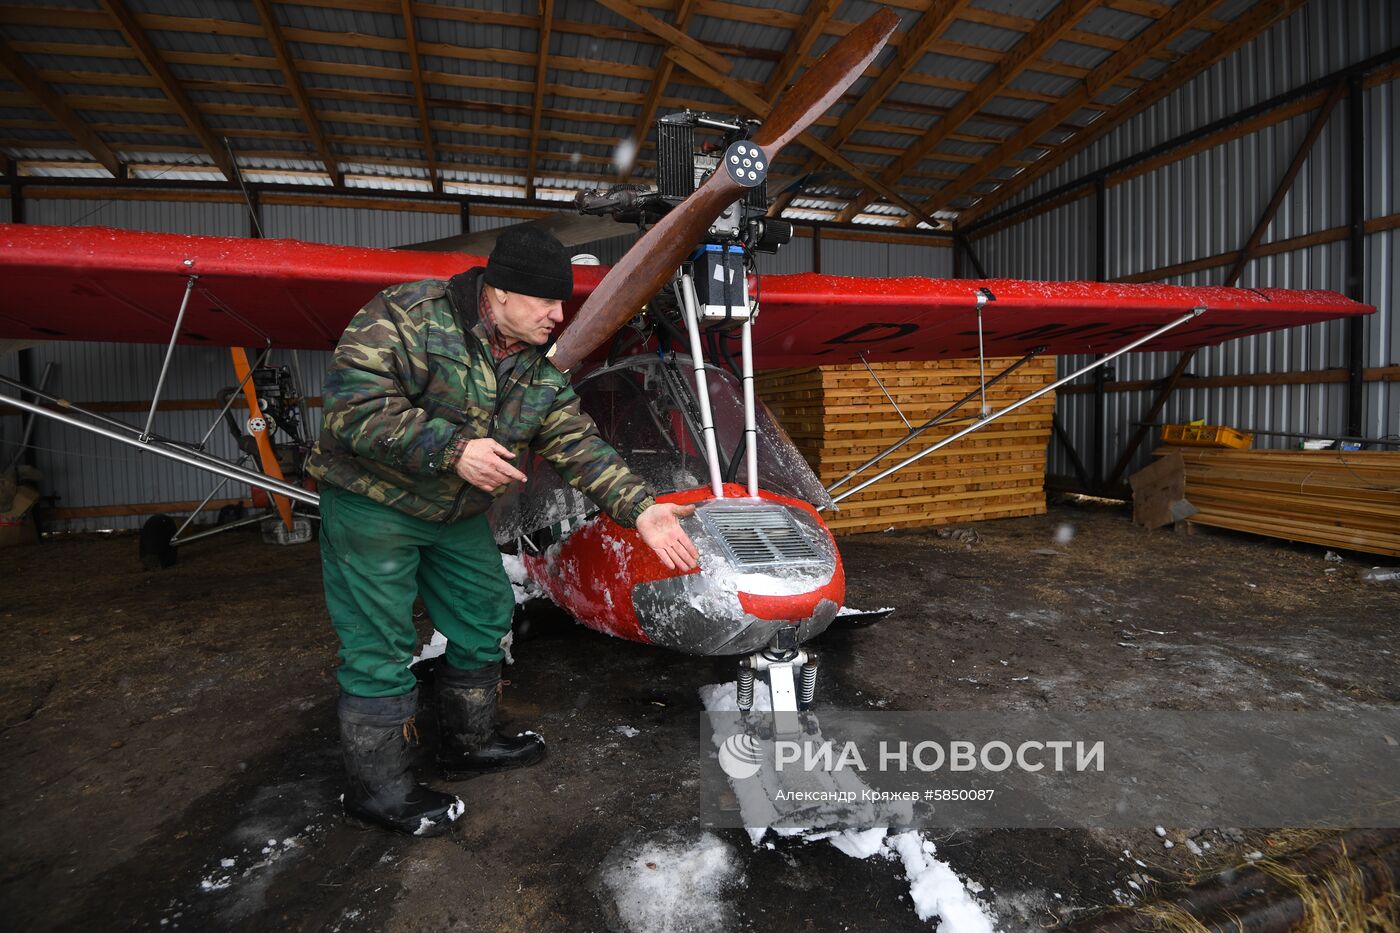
{"type": "Point", "coordinates": [1331, 497]}
{"type": "Point", "coordinates": [839, 418]}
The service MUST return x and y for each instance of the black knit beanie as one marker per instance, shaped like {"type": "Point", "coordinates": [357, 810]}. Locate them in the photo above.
{"type": "Point", "coordinates": [530, 261]}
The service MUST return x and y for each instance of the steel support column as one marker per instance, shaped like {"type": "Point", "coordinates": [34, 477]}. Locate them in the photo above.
{"type": "Point", "coordinates": [1247, 251]}
{"type": "Point", "coordinates": [1068, 443]}
{"type": "Point", "coordinates": [1101, 374]}
{"type": "Point", "coordinates": [1356, 252]}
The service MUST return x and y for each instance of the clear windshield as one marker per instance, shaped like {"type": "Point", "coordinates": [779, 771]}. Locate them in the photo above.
{"type": "Point", "coordinates": [644, 407]}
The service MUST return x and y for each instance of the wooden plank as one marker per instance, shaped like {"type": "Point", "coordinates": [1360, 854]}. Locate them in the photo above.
{"type": "Point", "coordinates": [537, 105]}
{"type": "Point", "coordinates": [1154, 37]}
{"type": "Point", "coordinates": [297, 90]}
{"type": "Point", "coordinates": [150, 57]}
{"type": "Point", "coordinates": [1028, 49]}
{"type": "Point", "coordinates": [805, 33]}
{"type": "Point", "coordinates": [832, 415]}
{"type": "Point", "coordinates": [1345, 499]}
{"type": "Point", "coordinates": [662, 77]}
{"type": "Point", "coordinates": [1222, 43]}
{"type": "Point", "coordinates": [939, 16]}
{"type": "Point", "coordinates": [425, 127]}
{"type": "Point", "coordinates": [54, 104]}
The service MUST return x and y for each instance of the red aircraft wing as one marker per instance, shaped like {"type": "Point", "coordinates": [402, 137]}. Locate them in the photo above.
{"type": "Point", "coordinates": [819, 319]}
{"type": "Point", "coordinates": [97, 283]}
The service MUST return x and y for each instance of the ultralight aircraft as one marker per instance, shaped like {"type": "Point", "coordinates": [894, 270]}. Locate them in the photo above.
{"type": "Point", "coordinates": [636, 340]}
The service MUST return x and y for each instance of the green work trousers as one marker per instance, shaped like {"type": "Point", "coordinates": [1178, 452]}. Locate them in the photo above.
{"type": "Point", "coordinates": [375, 560]}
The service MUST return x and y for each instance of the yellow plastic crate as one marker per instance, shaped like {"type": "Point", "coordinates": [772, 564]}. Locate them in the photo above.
{"type": "Point", "coordinates": [1205, 435]}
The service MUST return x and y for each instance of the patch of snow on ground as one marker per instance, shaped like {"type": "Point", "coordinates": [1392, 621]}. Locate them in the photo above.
{"type": "Point", "coordinates": [627, 731]}
{"type": "Point", "coordinates": [434, 648]}
{"type": "Point", "coordinates": [853, 611]}
{"type": "Point", "coordinates": [723, 698]}
{"type": "Point", "coordinates": [934, 888]}
{"type": "Point", "coordinates": [672, 884]}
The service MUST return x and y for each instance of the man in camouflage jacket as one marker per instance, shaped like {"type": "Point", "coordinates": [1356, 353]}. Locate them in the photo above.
{"type": "Point", "coordinates": [435, 392]}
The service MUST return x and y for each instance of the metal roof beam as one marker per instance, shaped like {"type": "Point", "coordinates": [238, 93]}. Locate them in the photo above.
{"type": "Point", "coordinates": [51, 101]}
{"type": "Point", "coordinates": [150, 57]}
{"type": "Point", "coordinates": [1034, 44]}
{"type": "Point", "coordinates": [416, 67]}
{"type": "Point", "coordinates": [294, 86]}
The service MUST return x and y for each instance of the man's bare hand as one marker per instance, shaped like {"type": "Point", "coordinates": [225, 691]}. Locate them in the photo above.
{"type": "Point", "coordinates": [484, 464]}
{"type": "Point", "coordinates": [660, 528]}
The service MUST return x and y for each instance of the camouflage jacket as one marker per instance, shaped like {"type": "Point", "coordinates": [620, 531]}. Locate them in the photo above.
{"type": "Point", "coordinates": [413, 373]}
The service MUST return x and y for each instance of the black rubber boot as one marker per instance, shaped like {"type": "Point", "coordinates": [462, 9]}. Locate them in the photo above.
{"type": "Point", "coordinates": [470, 743]}
{"type": "Point", "coordinates": [375, 737]}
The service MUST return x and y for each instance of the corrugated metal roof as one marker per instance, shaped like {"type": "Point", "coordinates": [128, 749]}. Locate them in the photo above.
{"type": "Point", "coordinates": [94, 5]}
{"type": "Point", "coordinates": [1116, 24]}
{"type": "Point", "coordinates": [594, 54]}
{"type": "Point", "coordinates": [1043, 83]}
{"type": "Point", "coordinates": [929, 96]}
{"type": "Point", "coordinates": [954, 68]}
{"type": "Point", "coordinates": [327, 19]}
{"type": "Point", "coordinates": [713, 31]}
{"type": "Point", "coordinates": [597, 49]}
{"type": "Point", "coordinates": [208, 43]}
{"type": "Point", "coordinates": [22, 32]}
{"type": "Point", "coordinates": [981, 35]}
{"type": "Point", "coordinates": [348, 55]}
{"type": "Point", "coordinates": [231, 10]}
{"type": "Point", "coordinates": [1078, 54]}
{"type": "Point", "coordinates": [915, 120]}
{"type": "Point", "coordinates": [1188, 40]}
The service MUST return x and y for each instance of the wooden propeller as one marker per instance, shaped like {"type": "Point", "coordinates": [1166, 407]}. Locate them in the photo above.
{"type": "Point", "coordinates": [653, 258]}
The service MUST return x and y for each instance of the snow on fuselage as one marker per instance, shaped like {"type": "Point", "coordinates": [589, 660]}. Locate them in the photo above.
{"type": "Point", "coordinates": [766, 564]}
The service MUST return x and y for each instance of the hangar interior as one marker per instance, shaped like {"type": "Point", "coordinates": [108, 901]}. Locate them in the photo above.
{"type": "Point", "coordinates": [1195, 142]}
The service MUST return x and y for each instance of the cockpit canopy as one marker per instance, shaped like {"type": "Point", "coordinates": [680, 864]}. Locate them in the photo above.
{"type": "Point", "coordinates": [645, 408]}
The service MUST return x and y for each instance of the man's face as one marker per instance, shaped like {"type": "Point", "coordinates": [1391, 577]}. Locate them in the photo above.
{"type": "Point", "coordinates": [525, 317]}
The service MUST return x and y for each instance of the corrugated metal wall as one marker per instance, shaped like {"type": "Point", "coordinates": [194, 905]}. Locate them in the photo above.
{"type": "Point", "coordinates": [1208, 203]}
{"type": "Point", "coordinates": [86, 470]}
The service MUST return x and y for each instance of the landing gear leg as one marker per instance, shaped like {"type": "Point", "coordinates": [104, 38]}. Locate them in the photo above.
{"type": "Point", "coordinates": [781, 661]}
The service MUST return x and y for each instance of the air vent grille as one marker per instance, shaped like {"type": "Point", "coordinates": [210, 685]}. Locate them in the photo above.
{"type": "Point", "coordinates": [761, 537]}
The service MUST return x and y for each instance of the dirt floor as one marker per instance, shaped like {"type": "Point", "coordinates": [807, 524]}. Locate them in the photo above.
{"type": "Point", "coordinates": [170, 760]}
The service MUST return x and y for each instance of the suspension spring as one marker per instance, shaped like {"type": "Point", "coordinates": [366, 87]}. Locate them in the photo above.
{"type": "Point", "coordinates": [807, 687]}
{"type": "Point", "coordinates": [744, 692]}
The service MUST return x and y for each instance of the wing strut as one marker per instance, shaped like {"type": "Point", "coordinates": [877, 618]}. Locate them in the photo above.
{"type": "Point", "coordinates": [169, 352]}
{"type": "Point", "coordinates": [1188, 316]}
{"type": "Point", "coordinates": [167, 449]}
{"type": "Point", "coordinates": [257, 426]}
{"type": "Point", "coordinates": [685, 290]}
{"type": "Point", "coordinates": [936, 419]}
{"type": "Point", "coordinates": [890, 398]}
